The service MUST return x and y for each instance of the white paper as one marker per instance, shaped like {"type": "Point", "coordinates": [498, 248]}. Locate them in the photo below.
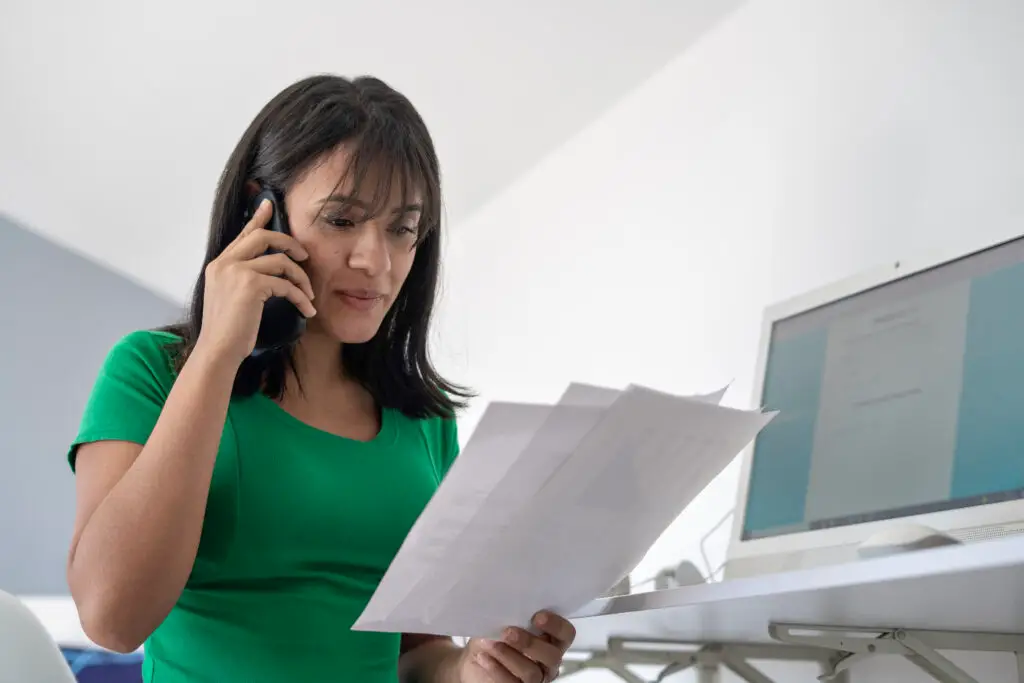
{"type": "Point", "coordinates": [549, 506]}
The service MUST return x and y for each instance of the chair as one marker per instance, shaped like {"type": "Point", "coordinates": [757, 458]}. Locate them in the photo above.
{"type": "Point", "coordinates": [27, 652]}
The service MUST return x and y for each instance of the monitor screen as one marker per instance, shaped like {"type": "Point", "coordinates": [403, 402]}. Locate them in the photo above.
{"type": "Point", "coordinates": [901, 400]}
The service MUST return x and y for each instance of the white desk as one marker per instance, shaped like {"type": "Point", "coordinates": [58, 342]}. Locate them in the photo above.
{"type": "Point", "coordinates": [970, 588]}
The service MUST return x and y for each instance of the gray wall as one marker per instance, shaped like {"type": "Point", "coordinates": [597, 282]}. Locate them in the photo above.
{"type": "Point", "coordinates": [59, 314]}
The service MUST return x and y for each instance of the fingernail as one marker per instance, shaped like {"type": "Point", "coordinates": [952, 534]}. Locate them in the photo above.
{"type": "Point", "coordinates": [511, 637]}
{"type": "Point", "coordinates": [542, 619]}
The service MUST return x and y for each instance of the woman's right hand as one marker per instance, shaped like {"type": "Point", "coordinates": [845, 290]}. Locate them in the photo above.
{"type": "Point", "coordinates": [242, 278]}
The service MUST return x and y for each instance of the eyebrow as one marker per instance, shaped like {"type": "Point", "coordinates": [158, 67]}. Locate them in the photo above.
{"type": "Point", "coordinates": [358, 203]}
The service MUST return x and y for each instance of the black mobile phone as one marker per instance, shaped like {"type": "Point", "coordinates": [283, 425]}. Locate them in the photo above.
{"type": "Point", "coordinates": [282, 323]}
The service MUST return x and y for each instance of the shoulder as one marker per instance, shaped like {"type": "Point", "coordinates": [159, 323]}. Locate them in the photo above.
{"type": "Point", "coordinates": [440, 430]}
{"type": "Point", "coordinates": [443, 437]}
{"type": "Point", "coordinates": [150, 343]}
{"type": "Point", "coordinates": [151, 349]}
{"type": "Point", "coordinates": [142, 359]}
{"type": "Point", "coordinates": [439, 435]}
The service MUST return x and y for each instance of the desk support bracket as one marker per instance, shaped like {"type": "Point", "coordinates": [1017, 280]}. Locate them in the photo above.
{"type": "Point", "coordinates": [850, 645]}
{"type": "Point", "coordinates": [703, 658]}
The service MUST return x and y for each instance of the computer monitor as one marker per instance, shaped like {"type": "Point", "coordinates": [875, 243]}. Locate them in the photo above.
{"type": "Point", "coordinates": [901, 399]}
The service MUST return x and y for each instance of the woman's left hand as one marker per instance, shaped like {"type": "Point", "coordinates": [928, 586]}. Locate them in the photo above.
{"type": "Point", "coordinates": [519, 656]}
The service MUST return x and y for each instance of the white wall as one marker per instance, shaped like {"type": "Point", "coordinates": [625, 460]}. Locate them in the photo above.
{"type": "Point", "coordinates": [117, 117]}
{"type": "Point", "coordinates": [800, 142]}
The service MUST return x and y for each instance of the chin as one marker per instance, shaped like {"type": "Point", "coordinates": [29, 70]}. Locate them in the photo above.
{"type": "Point", "coordinates": [356, 338]}
{"type": "Point", "coordinates": [347, 333]}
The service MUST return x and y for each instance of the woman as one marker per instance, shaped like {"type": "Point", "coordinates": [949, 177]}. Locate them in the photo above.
{"type": "Point", "coordinates": [236, 510]}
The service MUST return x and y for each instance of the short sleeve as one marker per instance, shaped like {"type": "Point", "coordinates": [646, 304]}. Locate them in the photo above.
{"type": "Point", "coordinates": [129, 393]}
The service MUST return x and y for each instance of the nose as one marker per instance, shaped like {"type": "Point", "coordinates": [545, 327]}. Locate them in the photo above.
{"type": "Point", "coordinates": [370, 251]}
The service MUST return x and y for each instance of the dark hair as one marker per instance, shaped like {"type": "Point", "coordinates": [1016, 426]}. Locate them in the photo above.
{"type": "Point", "coordinates": [304, 122]}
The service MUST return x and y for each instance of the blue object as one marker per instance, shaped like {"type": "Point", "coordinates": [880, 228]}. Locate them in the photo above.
{"type": "Point", "coordinates": [100, 666]}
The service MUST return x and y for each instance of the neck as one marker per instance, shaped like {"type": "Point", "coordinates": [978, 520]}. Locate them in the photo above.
{"type": "Point", "coordinates": [321, 395]}
{"type": "Point", "coordinates": [318, 365]}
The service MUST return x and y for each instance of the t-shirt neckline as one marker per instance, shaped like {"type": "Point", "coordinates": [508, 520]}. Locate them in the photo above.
{"type": "Point", "coordinates": [384, 436]}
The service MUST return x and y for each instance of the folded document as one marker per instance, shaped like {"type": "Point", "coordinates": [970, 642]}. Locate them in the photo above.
{"type": "Point", "coordinates": [547, 507]}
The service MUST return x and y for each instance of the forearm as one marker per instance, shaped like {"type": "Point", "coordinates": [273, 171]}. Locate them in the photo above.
{"type": "Point", "coordinates": [137, 549]}
{"type": "Point", "coordinates": [433, 660]}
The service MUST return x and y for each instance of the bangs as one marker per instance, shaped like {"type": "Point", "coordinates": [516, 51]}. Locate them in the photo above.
{"type": "Point", "coordinates": [389, 167]}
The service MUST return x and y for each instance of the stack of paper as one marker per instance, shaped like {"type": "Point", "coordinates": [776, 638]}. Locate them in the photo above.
{"type": "Point", "coordinates": [548, 507]}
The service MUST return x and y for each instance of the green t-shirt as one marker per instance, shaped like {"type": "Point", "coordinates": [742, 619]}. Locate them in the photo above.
{"type": "Point", "coordinates": [300, 527]}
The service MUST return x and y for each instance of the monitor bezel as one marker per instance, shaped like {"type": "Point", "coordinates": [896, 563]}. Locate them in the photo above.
{"type": "Point", "coordinates": [991, 514]}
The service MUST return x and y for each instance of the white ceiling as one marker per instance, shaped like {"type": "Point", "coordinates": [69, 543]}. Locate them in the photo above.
{"type": "Point", "coordinates": [116, 117]}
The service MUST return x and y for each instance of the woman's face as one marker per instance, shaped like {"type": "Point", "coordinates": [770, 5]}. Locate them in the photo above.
{"type": "Point", "coordinates": [357, 267]}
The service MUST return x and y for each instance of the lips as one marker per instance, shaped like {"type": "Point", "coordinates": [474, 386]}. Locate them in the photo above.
{"type": "Point", "coordinates": [360, 299]}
